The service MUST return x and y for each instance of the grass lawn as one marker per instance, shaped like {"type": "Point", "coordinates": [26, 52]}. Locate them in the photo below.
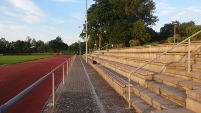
{"type": "Point", "coordinates": [10, 59]}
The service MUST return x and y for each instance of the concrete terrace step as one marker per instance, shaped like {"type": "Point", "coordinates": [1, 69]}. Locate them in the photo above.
{"type": "Point", "coordinates": [139, 104]}
{"type": "Point", "coordinates": [146, 51]}
{"type": "Point", "coordinates": [147, 100]}
{"type": "Point", "coordinates": [174, 90]}
{"type": "Point", "coordinates": [184, 66]}
{"type": "Point", "coordinates": [161, 91]}
{"type": "Point", "coordinates": [157, 65]}
{"type": "Point", "coordinates": [177, 82]}
{"type": "Point", "coordinates": [193, 75]}
{"type": "Point", "coordinates": [177, 110]}
{"type": "Point", "coordinates": [143, 76]}
{"type": "Point", "coordinates": [169, 92]}
{"type": "Point", "coordinates": [196, 67]}
{"type": "Point", "coordinates": [135, 59]}
{"type": "Point", "coordinates": [127, 68]}
{"type": "Point", "coordinates": [198, 59]}
{"type": "Point", "coordinates": [156, 100]}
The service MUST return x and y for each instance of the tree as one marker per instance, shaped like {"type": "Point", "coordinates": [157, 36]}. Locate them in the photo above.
{"type": "Point", "coordinates": [182, 28]}
{"type": "Point", "coordinates": [41, 47]}
{"type": "Point", "coordinates": [166, 31]}
{"type": "Point", "coordinates": [19, 46]}
{"type": "Point", "coordinates": [193, 29]}
{"type": "Point", "coordinates": [57, 45]}
{"type": "Point", "coordinates": [4, 45]}
{"type": "Point", "coordinates": [74, 47]}
{"type": "Point", "coordinates": [111, 20]}
{"type": "Point", "coordinates": [98, 14]}
{"type": "Point", "coordinates": [154, 36]}
{"type": "Point", "coordinates": [141, 9]}
{"type": "Point", "coordinates": [139, 32]}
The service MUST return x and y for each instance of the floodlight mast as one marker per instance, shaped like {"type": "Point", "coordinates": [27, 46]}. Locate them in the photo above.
{"type": "Point", "coordinates": [86, 38]}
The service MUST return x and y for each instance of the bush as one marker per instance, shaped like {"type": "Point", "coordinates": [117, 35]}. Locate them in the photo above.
{"type": "Point", "coordinates": [170, 40]}
{"type": "Point", "coordinates": [134, 43]}
{"type": "Point", "coordinates": [120, 45]}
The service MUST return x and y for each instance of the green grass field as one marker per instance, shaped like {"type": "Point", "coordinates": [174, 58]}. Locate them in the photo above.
{"type": "Point", "coordinates": [7, 59]}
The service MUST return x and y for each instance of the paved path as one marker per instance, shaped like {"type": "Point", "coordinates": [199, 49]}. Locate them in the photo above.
{"type": "Point", "coordinates": [85, 91]}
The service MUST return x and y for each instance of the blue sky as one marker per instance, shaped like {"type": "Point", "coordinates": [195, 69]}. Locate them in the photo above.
{"type": "Point", "coordinates": [46, 19]}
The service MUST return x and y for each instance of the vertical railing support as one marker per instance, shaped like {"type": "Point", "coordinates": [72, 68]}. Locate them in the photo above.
{"type": "Point", "coordinates": [69, 63]}
{"type": "Point", "coordinates": [129, 91]}
{"type": "Point", "coordinates": [53, 89]}
{"type": "Point", "coordinates": [67, 67]}
{"type": "Point", "coordinates": [189, 55]}
{"type": "Point", "coordinates": [63, 74]}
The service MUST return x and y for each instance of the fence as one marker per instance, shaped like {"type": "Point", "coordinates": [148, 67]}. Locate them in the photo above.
{"type": "Point", "coordinates": [12, 101]}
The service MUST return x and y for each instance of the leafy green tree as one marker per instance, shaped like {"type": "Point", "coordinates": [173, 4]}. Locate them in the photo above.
{"type": "Point", "coordinates": [139, 32]}
{"type": "Point", "coordinates": [166, 31]}
{"type": "Point", "coordinates": [182, 28]}
{"type": "Point", "coordinates": [57, 45]}
{"type": "Point", "coordinates": [193, 29]}
{"type": "Point", "coordinates": [134, 43]}
{"type": "Point", "coordinates": [19, 46]}
{"type": "Point", "coordinates": [98, 14]}
{"type": "Point", "coordinates": [41, 47]}
{"type": "Point", "coordinates": [110, 21]}
{"type": "Point", "coordinates": [4, 45]}
{"type": "Point", "coordinates": [141, 9]}
{"type": "Point", "coordinates": [74, 47]}
{"type": "Point", "coordinates": [154, 36]}
{"type": "Point", "coordinates": [170, 39]}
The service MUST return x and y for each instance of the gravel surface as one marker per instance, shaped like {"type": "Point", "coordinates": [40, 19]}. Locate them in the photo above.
{"type": "Point", "coordinates": [76, 95]}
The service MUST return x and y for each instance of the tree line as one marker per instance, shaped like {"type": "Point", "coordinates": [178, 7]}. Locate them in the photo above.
{"type": "Point", "coordinates": [30, 45]}
{"type": "Point", "coordinates": [126, 23]}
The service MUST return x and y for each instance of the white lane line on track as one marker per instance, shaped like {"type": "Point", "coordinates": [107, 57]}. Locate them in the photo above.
{"type": "Point", "coordinates": [100, 106]}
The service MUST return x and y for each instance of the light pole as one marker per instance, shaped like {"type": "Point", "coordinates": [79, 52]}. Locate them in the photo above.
{"type": "Point", "coordinates": [174, 23]}
{"type": "Point", "coordinates": [79, 47]}
{"type": "Point", "coordinates": [79, 41]}
{"type": "Point", "coordinates": [86, 38]}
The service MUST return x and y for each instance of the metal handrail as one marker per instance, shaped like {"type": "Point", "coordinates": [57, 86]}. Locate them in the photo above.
{"type": "Point", "coordinates": [129, 76]}
{"type": "Point", "coordinates": [12, 101]}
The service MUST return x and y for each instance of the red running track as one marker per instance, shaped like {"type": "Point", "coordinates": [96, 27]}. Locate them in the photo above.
{"type": "Point", "coordinates": [17, 77]}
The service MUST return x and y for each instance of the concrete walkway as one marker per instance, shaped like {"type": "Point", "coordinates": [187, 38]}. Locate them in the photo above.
{"type": "Point", "coordinates": [85, 91]}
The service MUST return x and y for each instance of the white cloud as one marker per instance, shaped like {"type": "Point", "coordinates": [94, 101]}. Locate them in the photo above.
{"type": "Point", "coordinates": [77, 16]}
{"type": "Point", "coordinates": [16, 27]}
{"type": "Point", "coordinates": [190, 12]}
{"type": "Point", "coordinates": [164, 9]}
{"type": "Point", "coordinates": [6, 11]}
{"type": "Point", "coordinates": [2, 27]}
{"type": "Point", "coordinates": [66, 0]}
{"type": "Point", "coordinates": [5, 27]}
{"type": "Point", "coordinates": [26, 10]}
{"type": "Point", "coordinates": [58, 21]}
{"type": "Point", "coordinates": [45, 28]}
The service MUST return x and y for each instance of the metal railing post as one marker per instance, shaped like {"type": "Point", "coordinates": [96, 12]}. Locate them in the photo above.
{"type": "Point", "coordinates": [189, 57]}
{"type": "Point", "coordinates": [69, 62]}
{"type": "Point", "coordinates": [129, 91]}
{"type": "Point", "coordinates": [53, 89]}
{"type": "Point", "coordinates": [63, 73]}
{"type": "Point", "coordinates": [67, 67]}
